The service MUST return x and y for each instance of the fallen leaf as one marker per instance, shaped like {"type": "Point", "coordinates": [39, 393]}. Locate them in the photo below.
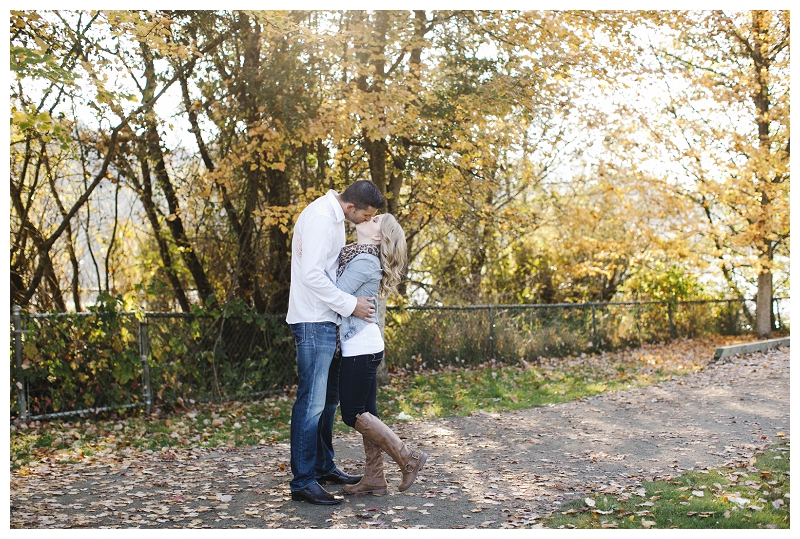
{"type": "Point", "coordinates": [590, 502]}
{"type": "Point", "coordinates": [737, 500]}
{"type": "Point", "coordinates": [648, 523]}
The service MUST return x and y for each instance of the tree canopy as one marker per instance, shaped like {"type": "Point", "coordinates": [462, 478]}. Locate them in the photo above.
{"type": "Point", "coordinates": [540, 156]}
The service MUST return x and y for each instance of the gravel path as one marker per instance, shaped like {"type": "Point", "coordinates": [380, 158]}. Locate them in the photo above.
{"type": "Point", "coordinates": [484, 471]}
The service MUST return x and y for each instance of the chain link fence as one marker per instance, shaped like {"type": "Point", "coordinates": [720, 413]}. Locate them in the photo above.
{"type": "Point", "coordinates": [82, 363]}
{"type": "Point", "coordinates": [419, 338]}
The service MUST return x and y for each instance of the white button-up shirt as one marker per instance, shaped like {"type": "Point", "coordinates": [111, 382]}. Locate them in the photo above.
{"type": "Point", "coordinates": [319, 235]}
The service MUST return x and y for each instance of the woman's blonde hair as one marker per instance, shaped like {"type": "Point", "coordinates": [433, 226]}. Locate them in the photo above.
{"type": "Point", "coordinates": [394, 254]}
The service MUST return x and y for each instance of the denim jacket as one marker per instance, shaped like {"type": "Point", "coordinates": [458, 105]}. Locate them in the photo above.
{"type": "Point", "coordinates": [361, 277]}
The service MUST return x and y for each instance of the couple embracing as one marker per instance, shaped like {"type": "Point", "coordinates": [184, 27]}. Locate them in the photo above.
{"type": "Point", "coordinates": [339, 345]}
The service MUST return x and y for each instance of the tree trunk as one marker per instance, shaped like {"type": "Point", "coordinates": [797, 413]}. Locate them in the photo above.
{"type": "Point", "coordinates": [377, 149]}
{"type": "Point", "coordinates": [253, 169]}
{"type": "Point", "coordinates": [145, 192]}
{"type": "Point", "coordinates": [761, 100]}
{"type": "Point", "coordinates": [52, 281]}
{"type": "Point", "coordinates": [44, 267]}
{"type": "Point", "coordinates": [279, 268]}
{"type": "Point", "coordinates": [764, 298]}
{"type": "Point", "coordinates": [191, 112]}
{"type": "Point", "coordinates": [246, 287]}
{"type": "Point", "coordinates": [174, 221]}
{"type": "Point", "coordinates": [383, 368]}
{"type": "Point", "coordinates": [73, 258]}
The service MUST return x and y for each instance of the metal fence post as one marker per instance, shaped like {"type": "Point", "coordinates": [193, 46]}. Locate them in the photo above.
{"type": "Point", "coordinates": [144, 351]}
{"type": "Point", "coordinates": [23, 406]}
{"type": "Point", "coordinates": [594, 327]}
{"type": "Point", "coordinates": [491, 329]}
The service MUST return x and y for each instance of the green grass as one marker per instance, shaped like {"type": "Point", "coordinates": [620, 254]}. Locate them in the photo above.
{"type": "Point", "coordinates": [494, 387]}
{"type": "Point", "coordinates": [677, 504]}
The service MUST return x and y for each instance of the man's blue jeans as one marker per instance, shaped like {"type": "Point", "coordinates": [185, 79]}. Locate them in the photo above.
{"type": "Point", "coordinates": [324, 463]}
{"type": "Point", "coordinates": [315, 407]}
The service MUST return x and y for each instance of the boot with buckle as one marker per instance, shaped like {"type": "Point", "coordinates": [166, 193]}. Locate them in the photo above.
{"type": "Point", "coordinates": [410, 461]}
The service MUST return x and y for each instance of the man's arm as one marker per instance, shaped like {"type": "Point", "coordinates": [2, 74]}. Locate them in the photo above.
{"type": "Point", "coordinates": [318, 237]}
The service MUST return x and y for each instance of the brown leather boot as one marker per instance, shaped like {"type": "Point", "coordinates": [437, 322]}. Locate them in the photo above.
{"type": "Point", "coordinates": [374, 481]}
{"type": "Point", "coordinates": [410, 461]}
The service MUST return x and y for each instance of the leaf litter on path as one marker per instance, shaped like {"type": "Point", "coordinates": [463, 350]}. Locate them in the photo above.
{"type": "Point", "coordinates": [504, 469]}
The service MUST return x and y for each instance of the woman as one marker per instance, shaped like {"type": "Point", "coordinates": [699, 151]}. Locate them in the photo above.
{"type": "Point", "coordinates": [371, 267]}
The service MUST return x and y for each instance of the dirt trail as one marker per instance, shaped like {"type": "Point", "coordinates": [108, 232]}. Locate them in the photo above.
{"type": "Point", "coordinates": [487, 470]}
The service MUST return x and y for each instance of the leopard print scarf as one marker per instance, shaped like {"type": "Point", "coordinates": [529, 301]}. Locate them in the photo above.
{"type": "Point", "coordinates": [349, 252]}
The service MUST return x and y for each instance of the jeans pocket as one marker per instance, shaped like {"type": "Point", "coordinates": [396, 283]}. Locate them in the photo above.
{"type": "Point", "coordinates": [372, 364]}
{"type": "Point", "coordinates": [299, 332]}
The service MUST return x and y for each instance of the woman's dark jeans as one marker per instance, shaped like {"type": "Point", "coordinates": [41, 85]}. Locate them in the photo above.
{"type": "Point", "coordinates": [358, 386]}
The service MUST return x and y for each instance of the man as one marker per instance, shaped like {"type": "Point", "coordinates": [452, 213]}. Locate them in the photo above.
{"type": "Point", "coordinates": [315, 309]}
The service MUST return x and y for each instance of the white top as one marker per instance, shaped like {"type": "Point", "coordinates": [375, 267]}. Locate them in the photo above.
{"type": "Point", "coordinates": [367, 341]}
{"type": "Point", "coordinates": [318, 237]}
